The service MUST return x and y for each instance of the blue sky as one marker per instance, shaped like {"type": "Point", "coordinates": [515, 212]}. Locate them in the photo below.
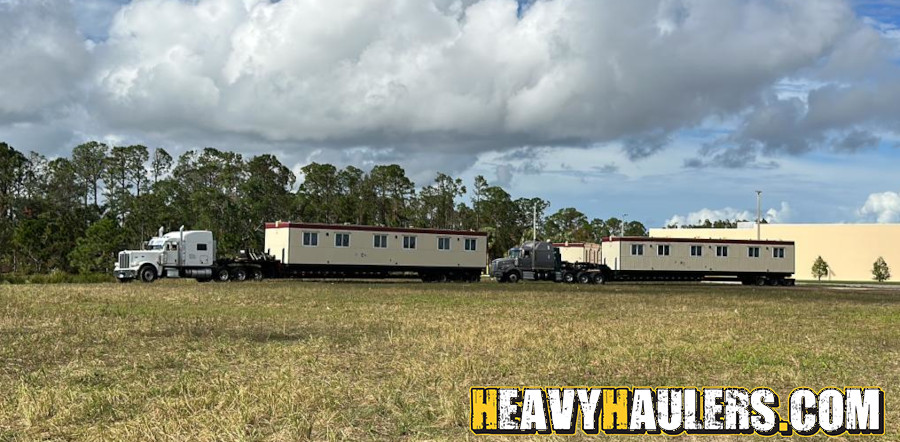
{"type": "Point", "coordinates": [668, 110]}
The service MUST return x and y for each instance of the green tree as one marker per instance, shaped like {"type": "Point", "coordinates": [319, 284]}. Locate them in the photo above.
{"type": "Point", "coordinates": [880, 270]}
{"type": "Point", "coordinates": [355, 201]}
{"type": "Point", "coordinates": [265, 195]}
{"type": "Point", "coordinates": [635, 228]}
{"type": "Point", "coordinates": [568, 225]}
{"type": "Point", "coordinates": [437, 206]}
{"type": "Point", "coordinates": [160, 164]}
{"type": "Point", "coordinates": [124, 178]}
{"type": "Point", "coordinates": [96, 251]}
{"type": "Point", "coordinates": [319, 193]}
{"type": "Point", "coordinates": [820, 268]}
{"type": "Point", "coordinates": [394, 193]}
{"type": "Point", "coordinates": [525, 209]}
{"type": "Point", "coordinates": [88, 160]}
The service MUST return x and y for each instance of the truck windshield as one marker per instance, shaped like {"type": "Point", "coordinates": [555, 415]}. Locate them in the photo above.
{"type": "Point", "coordinates": [156, 244]}
{"type": "Point", "coordinates": [515, 253]}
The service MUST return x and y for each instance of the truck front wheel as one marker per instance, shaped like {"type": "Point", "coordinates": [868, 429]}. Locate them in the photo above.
{"type": "Point", "coordinates": [147, 274]}
{"type": "Point", "coordinates": [513, 277]}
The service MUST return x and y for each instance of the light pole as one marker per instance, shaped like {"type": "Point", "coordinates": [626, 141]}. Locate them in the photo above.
{"type": "Point", "coordinates": [758, 210]}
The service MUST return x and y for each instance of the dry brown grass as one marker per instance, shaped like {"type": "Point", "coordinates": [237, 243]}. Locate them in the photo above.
{"type": "Point", "coordinates": [293, 361]}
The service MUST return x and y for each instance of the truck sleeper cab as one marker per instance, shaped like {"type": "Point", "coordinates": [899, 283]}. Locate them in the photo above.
{"type": "Point", "coordinates": [181, 254]}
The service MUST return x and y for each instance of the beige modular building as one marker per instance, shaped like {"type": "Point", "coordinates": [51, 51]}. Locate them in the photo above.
{"type": "Point", "coordinates": [699, 256]}
{"type": "Point", "coordinates": [328, 248]}
{"type": "Point", "coordinates": [579, 251]}
{"type": "Point", "coordinates": [849, 249]}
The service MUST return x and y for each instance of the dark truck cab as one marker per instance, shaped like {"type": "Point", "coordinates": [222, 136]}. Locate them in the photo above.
{"type": "Point", "coordinates": [541, 261]}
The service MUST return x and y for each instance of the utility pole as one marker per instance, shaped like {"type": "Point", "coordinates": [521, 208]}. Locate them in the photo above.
{"type": "Point", "coordinates": [534, 222]}
{"type": "Point", "coordinates": [758, 210]}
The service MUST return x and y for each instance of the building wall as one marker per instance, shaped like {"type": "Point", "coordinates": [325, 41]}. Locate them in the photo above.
{"type": "Point", "coordinates": [618, 255]}
{"type": "Point", "coordinates": [579, 252]}
{"type": "Point", "coordinates": [849, 249]}
{"type": "Point", "coordinates": [287, 240]}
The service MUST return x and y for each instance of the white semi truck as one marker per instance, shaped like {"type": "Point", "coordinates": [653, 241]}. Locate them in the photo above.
{"type": "Point", "coordinates": [185, 254]}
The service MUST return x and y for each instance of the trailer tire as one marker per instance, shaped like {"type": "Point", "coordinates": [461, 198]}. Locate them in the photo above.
{"type": "Point", "coordinates": [568, 277]}
{"type": "Point", "coordinates": [147, 274]}
{"type": "Point", "coordinates": [599, 279]}
{"type": "Point", "coordinates": [240, 274]}
{"type": "Point", "coordinates": [760, 280]}
{"type": "Point", "coordinates": [513, 277]}
{"type": "Point", "coordinates": [222, 275]}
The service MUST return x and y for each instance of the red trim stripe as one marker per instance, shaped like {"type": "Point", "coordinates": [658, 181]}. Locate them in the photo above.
{"type": "Point", "coordinates": [696, 240]}
{"type": "Point", "coordinates": [355, 228]}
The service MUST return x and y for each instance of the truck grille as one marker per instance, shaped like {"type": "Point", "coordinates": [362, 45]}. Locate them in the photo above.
{"type": "Point", "coordinates": [123, 261]}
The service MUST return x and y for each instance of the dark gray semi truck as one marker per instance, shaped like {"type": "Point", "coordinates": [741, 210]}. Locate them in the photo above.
{"type": "Point", "coordinates": [541, 261]}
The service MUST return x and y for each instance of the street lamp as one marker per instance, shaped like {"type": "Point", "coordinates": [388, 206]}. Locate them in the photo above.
{"type": "Point", "coordinates": [758, 210]}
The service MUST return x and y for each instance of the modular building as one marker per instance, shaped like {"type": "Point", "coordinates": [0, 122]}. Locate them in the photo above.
{"type": "Point", "coordinates": [849, 249]}
{"type": "Point", "coordinates": [441, 254]}
{"type": "Point", "coordinates": [681, 258]}
{"type": "Point", "coordinates": [576, 252]}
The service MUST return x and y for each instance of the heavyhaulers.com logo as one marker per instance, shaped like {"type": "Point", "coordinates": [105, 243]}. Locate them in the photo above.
{"type": "Point", "coordinates": [675, 410]}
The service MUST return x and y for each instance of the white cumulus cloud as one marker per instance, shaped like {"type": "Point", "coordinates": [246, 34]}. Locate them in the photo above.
{"type": "Point", "coordinates": [772, 215]}
{"type": "Point", "coordinates": [883, 207]}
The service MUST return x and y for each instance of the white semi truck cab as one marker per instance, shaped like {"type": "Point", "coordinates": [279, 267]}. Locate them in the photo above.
{"type": "Point", "coordinates": [181, 254]}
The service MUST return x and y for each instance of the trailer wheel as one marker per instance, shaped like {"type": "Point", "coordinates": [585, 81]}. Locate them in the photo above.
{"type": "Point", "coordinates": [240, 274]}
{"type": "Point", "coordinates": [222, 275]}
{"type": "Point", "coordinates": [598, 278]}
{"type": "Point", "coordinates": [513, 277]}
{"type": "Point", "coordinates": [760, 280]}
{"type": "Point", "coordinates": [584, 278]}
{"type": "Point", "coordinates": [569, 277]}
{"type": "Point", "coordinates": [257, 275]}
{"type": "Point", "coordinates": [147, 274]}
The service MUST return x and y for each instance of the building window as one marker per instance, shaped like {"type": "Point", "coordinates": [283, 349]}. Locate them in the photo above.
{"type": "Point", "coordinates": [310, 239]}
{"type": "Point", "coordinates": [722, 251]}
{"type": "Point", "coordinates": [662, 250]}
{"type": "Point", "coordinates": [778, 252]}
{"type": "Point", "coordinates": [409, 242]}
{"type": "Point", "coordinates": [696, 250]}
{"type": "Point", "coordinates": [471, 244]}
{"type": "Point", "coordinates": [380, 241]}
{"type": "Point", "coordinates": [753, 252]}
{"type": "Point", "coordinates": [201, 247]}
{"type": "Point", "coordinates": [637, 249]}
{"type": "Point", "coordinates": [342, 240]}
{"type": "Point", "coordinates": [443, 243]}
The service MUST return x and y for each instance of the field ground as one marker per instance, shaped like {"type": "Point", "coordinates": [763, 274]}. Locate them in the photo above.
{"type": "Point", "coordinates": [295, 360]}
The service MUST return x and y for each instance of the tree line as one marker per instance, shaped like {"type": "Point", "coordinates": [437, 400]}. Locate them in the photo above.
{"type": "Point", "coordinates": [74, 214]}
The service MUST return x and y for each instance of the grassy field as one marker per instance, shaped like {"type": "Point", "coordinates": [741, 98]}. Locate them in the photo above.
{"type": "Point", "coordinates": [292, 360]}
